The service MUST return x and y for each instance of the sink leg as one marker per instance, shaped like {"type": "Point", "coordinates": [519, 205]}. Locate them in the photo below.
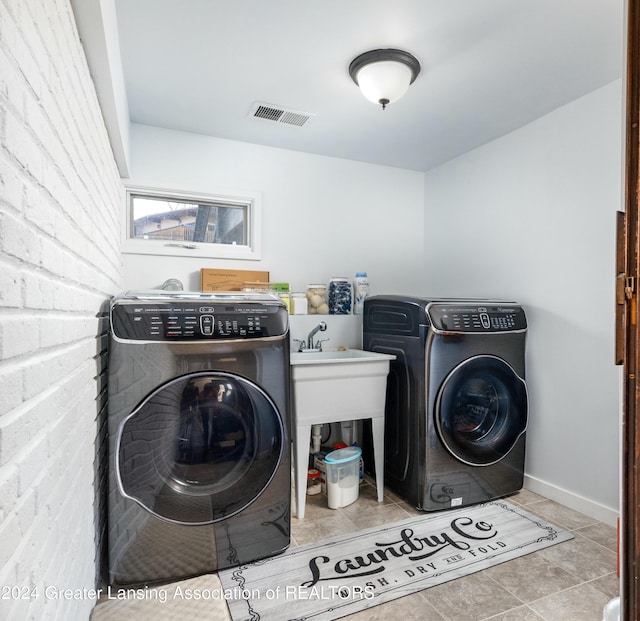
{"type": "Point", "coordinates": [377, 428]}
{"type": "Point", "coordinates": [301, 446]}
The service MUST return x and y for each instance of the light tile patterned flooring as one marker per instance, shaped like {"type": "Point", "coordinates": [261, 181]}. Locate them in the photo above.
{"type": "Point", "coordinates": [572, 581]}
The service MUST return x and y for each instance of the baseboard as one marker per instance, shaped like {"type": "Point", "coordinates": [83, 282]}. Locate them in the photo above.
{"type": "Point", "coordinates": [589, 507]}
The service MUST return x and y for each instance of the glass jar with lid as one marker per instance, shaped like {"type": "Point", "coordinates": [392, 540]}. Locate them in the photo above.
{"type": "Point", "coordinates": [317, 297]}
{"type": "Point", "coordinates": [339, 296]}
{"type": "Point", "coordinates": [299, 304]}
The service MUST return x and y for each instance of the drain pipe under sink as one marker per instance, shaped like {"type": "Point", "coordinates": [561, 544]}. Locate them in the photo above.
{"type": "Point", "coordinates": [316, 437]}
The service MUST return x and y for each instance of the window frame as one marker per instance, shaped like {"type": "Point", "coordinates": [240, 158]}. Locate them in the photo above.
{"type": "Point", "coordinates": [251, 200]}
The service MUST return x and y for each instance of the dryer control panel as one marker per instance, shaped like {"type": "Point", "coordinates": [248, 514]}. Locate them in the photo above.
{"type": "Point", "coordinates": [197, 321]}
{"type": "Point", "coordinates": [477, 318]}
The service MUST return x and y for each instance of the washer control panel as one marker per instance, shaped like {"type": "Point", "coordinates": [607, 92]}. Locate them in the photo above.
{"type": "Point", "coordinates": [477, 317]}
{"type": "Point", "coordinates": [196, 321]}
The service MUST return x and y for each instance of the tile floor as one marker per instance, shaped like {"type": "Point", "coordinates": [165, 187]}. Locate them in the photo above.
{"type": "Point", "coordinates": [569, 582]}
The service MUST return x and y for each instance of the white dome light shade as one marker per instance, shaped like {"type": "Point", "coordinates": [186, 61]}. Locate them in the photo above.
{"type": "Point", "coordinates": [384, 81]}
{"type": "Point", "coordinates": [384, 75]}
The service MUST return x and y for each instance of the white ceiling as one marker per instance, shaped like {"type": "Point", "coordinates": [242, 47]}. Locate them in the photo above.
{"type": "Point", "coordinates": [488, 67]}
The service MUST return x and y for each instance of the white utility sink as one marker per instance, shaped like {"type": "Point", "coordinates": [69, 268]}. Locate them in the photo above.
{"type": "Point", "coordinates": [336, 386]}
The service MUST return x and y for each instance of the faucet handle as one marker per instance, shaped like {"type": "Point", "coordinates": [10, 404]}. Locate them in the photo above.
{"type": "Point", "coordinates": [302, 345]}
{"type": "Point", "coordinates": [318, 344]}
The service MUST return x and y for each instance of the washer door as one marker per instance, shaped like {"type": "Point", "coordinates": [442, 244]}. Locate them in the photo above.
{"type": "Point", "coordinates": [481, 410]}
{"type": "Point", "coordinates": [200, 448]}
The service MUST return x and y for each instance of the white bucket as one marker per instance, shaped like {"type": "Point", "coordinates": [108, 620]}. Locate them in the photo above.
{"type": "Point", "coordinates": [611, 611]}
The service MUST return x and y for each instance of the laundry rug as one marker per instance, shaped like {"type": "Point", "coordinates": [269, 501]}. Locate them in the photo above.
{"type": "Point", "coordinates": [340, 576]}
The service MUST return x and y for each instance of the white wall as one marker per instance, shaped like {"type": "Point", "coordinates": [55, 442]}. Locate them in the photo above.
{"type": "Point", "coordinates": [60, 210]}
{"type": "Point", "coordinates": [322, 216]}
{"type": "Point", "coordinates": [531, 217]}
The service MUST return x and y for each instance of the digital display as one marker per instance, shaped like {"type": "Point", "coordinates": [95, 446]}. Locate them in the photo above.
{"type": "Point", "coordinates": [476, 318]}
{"type": "Point", "coordinates": [187, 322]}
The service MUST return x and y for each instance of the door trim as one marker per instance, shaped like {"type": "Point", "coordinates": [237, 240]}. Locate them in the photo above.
{"type": "Point", "coordinates": [628, 325]}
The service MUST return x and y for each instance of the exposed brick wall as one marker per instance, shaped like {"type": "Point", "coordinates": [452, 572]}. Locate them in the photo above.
{"type": "Point", "coordinates": [60, 209]}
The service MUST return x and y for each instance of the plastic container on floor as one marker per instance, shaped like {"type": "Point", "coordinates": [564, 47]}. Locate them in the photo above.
{"type": "Point", "coordinates": [313, 482]}
{"type": "Point", "coordinates": [343, 478]}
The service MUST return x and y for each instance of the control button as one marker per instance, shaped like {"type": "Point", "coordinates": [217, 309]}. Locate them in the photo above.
{"type": "Point", "coordinates": [484, 318]}
{"type": "Point", "coordinates": [206, 309]}
{"type": "Point", "coordinates": [206, 325]}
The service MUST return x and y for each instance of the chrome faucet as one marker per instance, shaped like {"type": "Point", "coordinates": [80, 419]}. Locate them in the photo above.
{"type": "Point", "coordinates": [310, 345]}
{"type": "Point", "coordinates": [321, 327]}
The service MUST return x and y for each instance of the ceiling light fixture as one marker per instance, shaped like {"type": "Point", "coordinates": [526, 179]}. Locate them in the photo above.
{"type": "Point", "coordinates": [384, 75]}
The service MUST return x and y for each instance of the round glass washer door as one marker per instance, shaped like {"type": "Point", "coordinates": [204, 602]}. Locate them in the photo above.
{"type": "Point", "coordinates": [481, 410]}
{"type": "Point", "coordinates": [199, 448]}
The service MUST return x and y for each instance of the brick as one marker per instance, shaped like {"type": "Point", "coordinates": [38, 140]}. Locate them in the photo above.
{"type": "Point", "coordinates": [22, 145]}
{"type": "Point", "coordinates": [50, 330]}
{"type": "Point", "coordinates": [56, 186]}
{"type": "Point", "coordinates": [12, 186]}
{"type": "Point", "coordinates": [20, 426]}
{"type": "Point", "coordinates": [33, 116]}
{"type": "Point", "coordinates": [10, 285]}
{"type": "Point", "coordinates": [52, 256]}
{"type": "Point", "coordinates": [16, 9]}
{"type": "Point", "coordinates": [67, 233]}
{"type": "Point", "coordinates": [17, 337]}
{"type": "Point", "coordinates": [9, 538]}
{"type": "Point", "coordinates": [28, 551]}
{"type": "Point", "coordinates": [42, 373]}
{"type": "Point", "coordinates": [11, 382]}
{"type": "Point", "coordinates": [32, 462]}
{"type": "Point", "coordinates": [8, 32]}
{"type": "Point", "coordinates": [37, 290]}
{"type": "Point", "coordinates": [8, 491]}
{"type": "Point", "coordinates": [36, 210]}
{"type": "Point", "coordinates": [26, 510]}
{"type": "Point", "coordinates": [9, 444]}
{"type": "Point", "coordinates": [18, 239]}
{"type": "Point", "coordinates": [42, 489]}
{"type": "Point", "coordinates": [22, 52]}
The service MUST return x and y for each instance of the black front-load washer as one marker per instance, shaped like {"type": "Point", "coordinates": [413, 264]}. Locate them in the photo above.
{"type": "Point", "coordinates": [199, 457]}
{"type": "Point", "coordinates": [457, 408]}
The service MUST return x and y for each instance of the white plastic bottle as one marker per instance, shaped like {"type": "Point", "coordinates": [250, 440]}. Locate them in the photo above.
{"type": "Point", "coordinates": [360, 292]}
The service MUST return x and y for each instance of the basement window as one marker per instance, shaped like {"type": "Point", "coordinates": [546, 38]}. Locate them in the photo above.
{"type": "Point", "coordinates": [170, 223]}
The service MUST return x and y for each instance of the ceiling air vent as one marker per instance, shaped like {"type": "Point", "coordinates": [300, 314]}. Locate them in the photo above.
{"type": "Point", "coordinates": [278, 114]}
